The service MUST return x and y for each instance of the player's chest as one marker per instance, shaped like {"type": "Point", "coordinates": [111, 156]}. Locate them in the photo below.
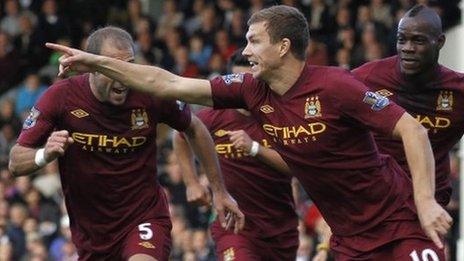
{"type": "Point", "coordinates": [120, 130]}
{"type": "Point", "coordinates": [306, 122]}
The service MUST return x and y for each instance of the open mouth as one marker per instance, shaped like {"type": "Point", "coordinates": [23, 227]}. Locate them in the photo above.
{"type": "Point", "coordinates": [253, 65]}
{"type": "Point", "coordinates": [119, 90]}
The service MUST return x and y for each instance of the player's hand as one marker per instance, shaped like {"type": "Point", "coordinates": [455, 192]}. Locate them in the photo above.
{"type": "Point", "coordinates": [198, 194]}
{"type": "Point", "coordinates": [321, 255]}
{"type": "Point", "coordinates": [435, 221]}
{"type": "Point", "coordinates": [73, 59]}
{"type": "Point", "coordinates": [57, 144]}
{"type": "Point", "coordinates": [240, 140]}
{"type": "Point", "coordinates": [229, 214]}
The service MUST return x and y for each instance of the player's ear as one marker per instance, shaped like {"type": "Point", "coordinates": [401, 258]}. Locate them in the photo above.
{"type": "Point", "coordinates": [441, 41]}
{"type": "Point", "coordinates": [285, 45]}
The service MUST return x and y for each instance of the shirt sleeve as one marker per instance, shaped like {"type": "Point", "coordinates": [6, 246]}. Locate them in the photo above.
{"type": "Point", "coordinates": [356, 102]}
{"type": "Point", "coordinates": [203, 116]}
{"type": "Point", "coordinates": [231, 91]}
{"type": "Point", "coordinates": [176, 114]}
{"type": "Point", "coordinates": [43, 117]}
{"type": "Point", "coordinates": [361, 73]}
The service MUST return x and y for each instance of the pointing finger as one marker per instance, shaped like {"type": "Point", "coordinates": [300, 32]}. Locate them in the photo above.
{"type": "Point", "coordinates": [59, 48]}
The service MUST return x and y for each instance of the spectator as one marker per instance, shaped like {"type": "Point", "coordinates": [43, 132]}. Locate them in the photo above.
{"type": "Point", "coordinates": [199, 52]}
{"type": "Point", "coordinates": [222, 44]}
{"type": "Point", "coordinates": [29, 44]}
{"type": "Point", "coordinates": [8, 116]}
{"type": "Point", "coordinates": [193, 23]}
{"type": "Point", "coordinates": [15, 232]}
{"type": "Point", "coordinates": [28, 94]}
{"type": "Point", "coordinates": [381, 12]}
{"type": "Point", "coordinates": [170, 18]}
{"type": "Point", "coordinates": [9, 63]}
{"type": "Point", "coordinates": [10, 22]}
{"type": "Point", "coordinates": [183, 65]}
{"type": "Point", "coordinates": [52, 26]}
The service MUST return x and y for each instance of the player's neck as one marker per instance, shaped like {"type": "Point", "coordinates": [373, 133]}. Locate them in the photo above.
{"type": "Point", "coordinates": [423, 77]}
{"type": "Point", "coordinates": [286, 76]}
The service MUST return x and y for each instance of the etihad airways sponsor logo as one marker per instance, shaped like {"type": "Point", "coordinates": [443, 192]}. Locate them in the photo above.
{"type": "Point", "coordinates": [433, 123]}
{"type": "Point", "coordinates": [109, 144]}
{"type": "Point", "coordinates": [295, 134]}
{"type": "Point", "coordinates": [228, 151]}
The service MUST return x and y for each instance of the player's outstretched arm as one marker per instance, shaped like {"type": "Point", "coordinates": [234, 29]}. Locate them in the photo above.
{"type": "Point", "coordinates": [196, 192]}
{"type": "Point", "coordinates": [434, 219]}
{"type": "Point", "coordinates": [241, 140]}
{"type": "Point", "coordinates": [24, 160]}
{"type": "Point", "coordinates": [154, 80]}
{"type": "Point", "coordinates": [202, 144]}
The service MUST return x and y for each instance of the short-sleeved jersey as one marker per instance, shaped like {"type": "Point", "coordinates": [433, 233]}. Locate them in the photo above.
{"type": "Point", "coordinates": [263, 194]}
{"type": "Point", "coordinates": [321, 127]}
{"type": "Point", "coordinates": [438, 105]}
{"type": "Point", "coordinates": [108, 174]}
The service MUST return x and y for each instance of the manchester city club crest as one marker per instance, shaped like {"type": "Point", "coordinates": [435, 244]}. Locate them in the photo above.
{"type": "Point", "coordinates": [445, 101]}
{"type": "Point", "coordinates": [139, 119]}
{"type": "Point", "coordinates": [312, 107]}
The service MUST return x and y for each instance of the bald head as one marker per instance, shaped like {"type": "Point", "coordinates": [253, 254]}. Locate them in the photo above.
{"type": "Point", "coordinates": [426, 15]}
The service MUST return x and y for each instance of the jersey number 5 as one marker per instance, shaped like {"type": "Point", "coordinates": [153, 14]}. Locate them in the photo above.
{"type": "Point", "coordinates": [145, 231]}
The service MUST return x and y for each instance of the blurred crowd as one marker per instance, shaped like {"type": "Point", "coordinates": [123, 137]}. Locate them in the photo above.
{"type": "Point", "coordinates": [188, 37]}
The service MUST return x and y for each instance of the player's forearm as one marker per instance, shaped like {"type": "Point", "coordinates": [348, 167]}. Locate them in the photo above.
{"type": "Point", "coordinates": [185, 159]}
{"type": "Point", "coordinates": [151, 79]}
{"type": "Point", "coordinates": [203, 146]}
{"type": "Point", "coordinates": [273, 159]}
{"type": "Point", "coordinates": [22, 161]}
{"type": "Point", "coordinates": [421, 162]}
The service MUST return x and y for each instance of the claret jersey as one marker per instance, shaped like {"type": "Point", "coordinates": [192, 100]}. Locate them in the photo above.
{"type": "Point", "coordinates": [263, 194]}
{"type": "Point", "coordinates": [322, 128]}
{"type": "Point", "coordinates": [438, 105]}
{"type": "Point", "coordinates": [108, 174]}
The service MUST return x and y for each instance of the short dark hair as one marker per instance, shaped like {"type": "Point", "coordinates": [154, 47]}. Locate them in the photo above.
{"type": "Point", "coordinates": [285, 22]}
{"type": "Point", "coordinates": [237, 59]}
{"type": "Point", "coordinates": [415, 10]}
{"type": "Point", "coordinates": [428, 15]}
{"type": "Point", "coordinates": [119, 38]}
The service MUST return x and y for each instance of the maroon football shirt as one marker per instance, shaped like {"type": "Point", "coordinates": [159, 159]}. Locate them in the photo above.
{"type": "Point", "coordinates": [438, 105]}
{"type": "Point", "coordinates": [109, 173]}
{"type": "Point", "coordinates": [263, 194]}
{"type": "Point", "coordinates": [321, 127]}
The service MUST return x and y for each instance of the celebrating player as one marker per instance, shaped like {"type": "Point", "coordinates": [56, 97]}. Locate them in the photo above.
{"type": "Point", "coordinates": [320, 120]}
{"type": "Point", "coordinates": [104, 136]}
